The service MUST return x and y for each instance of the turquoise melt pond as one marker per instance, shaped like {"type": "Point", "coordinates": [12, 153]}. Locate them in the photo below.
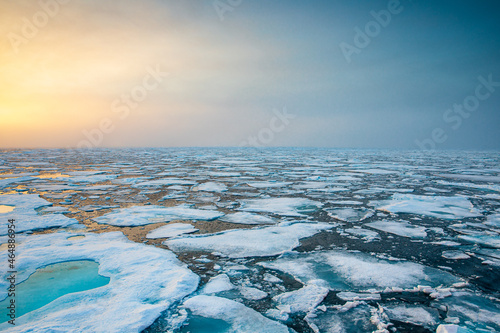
{"type": "Point", "coordinates": [48, 283]}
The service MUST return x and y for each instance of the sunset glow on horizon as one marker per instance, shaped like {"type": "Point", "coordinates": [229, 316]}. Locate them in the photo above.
{"type": "Point", "coordinates": [172, 73]}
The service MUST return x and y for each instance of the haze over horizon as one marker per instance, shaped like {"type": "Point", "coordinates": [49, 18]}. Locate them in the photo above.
{"type": "Point", "coordinates": [359, 74]}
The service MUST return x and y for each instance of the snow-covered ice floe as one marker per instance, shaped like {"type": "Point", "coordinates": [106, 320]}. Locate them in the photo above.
{"type": "Point", "coordinates": [400, 228]}
{"type": "Point", "coordinates": [342, 270]}
{"type": "Point", "coordinates": [453, 207]}
{"type": "Point", "coordinates": [171, 230]}
{"type": "Point", "coordinates": [258, 242]}
{"type": "Point", "coordinates": [350, 214]}
{"type": "Point", "coordinates": [144, 282]}
{"type": "Point", "coordinates": [367, 235]}
{"type": "Point", "coordinates": [302, 300]}
{"type": "Point", "coordinates": [142, 215]}
{"type": "Point", "coordinates": [26, 216]}
{"type": "Point", "coordinates": [247, 218]}
{"type": "Point", "coordinates": [227, 316]}
{"type": "Point", "coordinates": [281, 206]}
{"type": "Point", "coordinates": [210, 187]}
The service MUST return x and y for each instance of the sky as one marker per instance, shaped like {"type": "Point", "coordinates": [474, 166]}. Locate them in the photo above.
{"type": "Point", "coordinates": [403, 74]}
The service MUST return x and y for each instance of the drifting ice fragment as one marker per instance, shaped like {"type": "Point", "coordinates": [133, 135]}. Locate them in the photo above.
{"type": "Point", "coordinates": [128, 265]}
{"type": "Point", "coordinates": [455, 207]}
{"type": "Point", "coordinates": [238, 317]}
{"type": "Point", "coordinates": [142, 215]}
{"type": "Point", "coordinates": [265, 241]}
{"type": "Point", "coordinates": [349, 271]}
{"type": "Point", "coordinates": [247, 218]}
{"type": "Point", "coordinates": [24, 212]}
{"type": "Point", "coordinates": [401, 228]}
{"type": "Point", "coordinates": [171, 230]}
{"type": "Point", "coordinates": [281, 206]}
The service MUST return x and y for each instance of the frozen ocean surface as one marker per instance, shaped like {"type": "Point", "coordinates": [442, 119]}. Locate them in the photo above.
{"type": "Point", "coordinates": [251, 240]}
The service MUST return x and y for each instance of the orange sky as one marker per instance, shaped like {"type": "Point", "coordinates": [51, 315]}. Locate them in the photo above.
{"type": "Point", "coordinates": [73, 73]}
{"type": "Point", "coordinates": [64, 79]}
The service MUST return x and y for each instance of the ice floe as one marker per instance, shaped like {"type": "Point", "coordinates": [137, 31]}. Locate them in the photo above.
{"type": "Point", "coordinates": [171, 230]}
{"type": "Point", "coordinates": [267, 184]}
{"type": "Point", "coordinates": [26, 216]}
{"type": "Point", "coordinates": [368, 235]}
{"type": "Point", "coordinates": [144, 281]}
{"type": "Point", "coordinates": [265, 241]}
{"type": "Point", "coordinates": [349, 271]}
{"type": "Point", "coordinates": [252, 294]}
{"type": "Point", "coordinates": [417, 315]}
{"type": "Point", "coordinates": [247, 218]}
{"type": "Point", "coordinates": [164, 182]}
{"type": "Point", "coordinates": [142, 215]}
{"type": "Point", "coordinates": [281, 206]}
{"type": "Point", "coordinates": [455, 255]}
{"type": "Point", "coordinates": [238, 317]}
{"type": "Point", "coordinates": [210, 187]}
{"type": "Point", "coordinates": [483, 239]}
{"type": "Point", "coordinates": [217, 284]}
{"type": "Point", "coordinates": [453, 207]}
{"type": "Point", "coordinates": [400, 228]}
{"type": "Point", "coordinates": [302, 300]}
{"type": "Point", "coordinates": [350, 214]}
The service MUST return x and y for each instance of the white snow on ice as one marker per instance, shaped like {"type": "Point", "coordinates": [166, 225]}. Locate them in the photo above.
{"type": "Point", "coordinates": [171, 230]}
{"type": "Point", "coordinates": [400, 228]}
{"type": "Point", "coordinates": [281, 206]}
{"type": "Point", "coordinates": [247, 218]}
{"type": "Point", "coordinates": [145, 281]}
{"type": "Point", "coordinates": [142, 215]}
{"type": "Point", "coordinates": [265, 241]}
{"type": "Point", "coordinates": [455, 207]}
{"type": "Point", "coordinates": [26, 215]}
{"type": "Point", "coordinates": [241, 318]}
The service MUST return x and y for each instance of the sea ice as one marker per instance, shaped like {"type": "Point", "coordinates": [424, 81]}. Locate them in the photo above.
{"type": "Point", "coordinates": [210, 187]}
{"type": "Point", "coordinates": [171, 230]}
{"type": "Point", "coordinates": [350, 296]}
{"type": "Point", "coordinates": [281, 206]}
{"type": "Point", "coordinates": [247, 218]}
{"type": "Point", "coordinates": [401, 228]}
{"type": "Point", "coordinates": [455, 207]}
{"type": "Point", "coordinates": [368, 235]}
{"type": "Point", "coordinates": [416, 315]}
{"type": "Point", "coordinates": [485, 240]}
{"type": "Point", "coordinates": [240, 318]}
{"type": "Point", "coordinates": [252, 294]}
{"type": "Point", "coordinates": [493, 220]}
{"type": "Point", "coordinates": [25, 214]}
{"type": "Point", "coordinates": [217, 284]}
{"type": "Point", "coordinates": [164, 182]}
{"type": "Point", "coordinates": [474, 311]}
{"type": "Point", "coordinates": [346, 271]}
{"type": "Point", "coordinates": [353, 317]}
{"type": "Point", "coordinates": [128, 265]}
{"type": "Point", "coordinates": [452, 328]}
{"type": "Point", "coordinates": [264, 184]}
{"type": "Point", "coordinates": [350, 214]}
{"type": "Point", "coordinates": [455, 255]}
{"type": "Point", "coordinates": [264, 241]}
{"type": "Point", "coordinates": [303, 300]}
{"type": "Point", "coordinates": [142, 215]}
{"type": "Point", "coordinates": [97, 178]}
{"type": "Point", "coordinates": [8, 181]}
